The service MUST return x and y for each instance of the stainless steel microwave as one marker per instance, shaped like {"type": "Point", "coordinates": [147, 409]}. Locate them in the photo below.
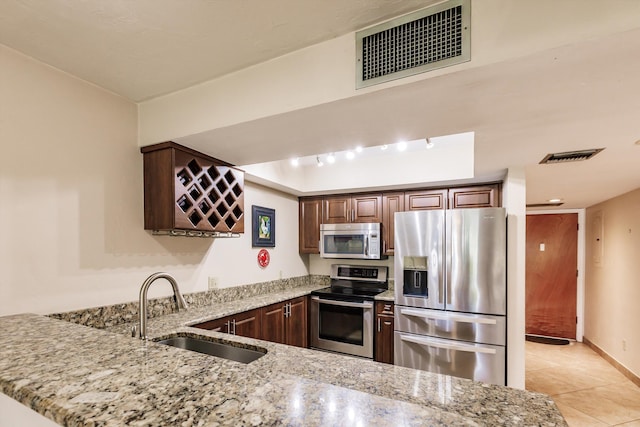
{"type": "Point", "coordinates": [352, 240]}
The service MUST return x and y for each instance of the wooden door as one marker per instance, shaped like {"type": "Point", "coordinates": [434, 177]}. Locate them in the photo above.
{"type": "Point", "coordinates": [296, 323]}
{"type": "Point", "coordinates": [273, 323]}
{"type": "Point", "coordinates": [384, 333]}
{"type": "Point", "coordinates": [425, 200]}
{"type": "Point", "coordinates": [551, 275]}
{"type": "Point", "coordinates": [216, 325]}
{"type": "Point", "coordinates": [391, 203]}
{"type": "Point", "coordinates": [367, 208]}
{"type": "Point", "coordinates": [336, 210]}
{"type": "Point", "coordinates": [247, 324]}
{"type": "Point", "coordinates": [480, 196]}
{"type": "Point", "coordinates": [310, 217]}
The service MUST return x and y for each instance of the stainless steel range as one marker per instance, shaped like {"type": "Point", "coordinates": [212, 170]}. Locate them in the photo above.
{"type": "Point", "coordinates": [341, 316]}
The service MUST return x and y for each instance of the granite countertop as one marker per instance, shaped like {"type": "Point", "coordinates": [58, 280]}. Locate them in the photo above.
{"type": "Point", "coordinates": [386, 296]}
{"type": "Point", "coordinates": [76, 375]}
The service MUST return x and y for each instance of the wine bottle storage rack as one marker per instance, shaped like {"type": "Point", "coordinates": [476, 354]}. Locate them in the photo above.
{"type": "Point", "coordinates": [201, 194]}
{"type": "Point", "coordinates": [210, 194]}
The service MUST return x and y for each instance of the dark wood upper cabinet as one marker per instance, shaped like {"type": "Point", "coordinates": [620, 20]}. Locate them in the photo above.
{"type": "Point", "coordinates": [190, 191]}
{"type": "Point", "coordinates": [481, 196]}
{"type": "Point", "coordinates": [425, 200]}
{"type": "Point", "coordinates": [391, 203]}
{"type": "Point", "coordinates": [352, 208]}
{"type": "Point", "coordinates": [383, 339]}
{"type": "Point", "coordinates": [309, 219]}
{"type": "Point", "coordinates": [336, 210]}
{"type": "Point", "coordinates": [381, 207]}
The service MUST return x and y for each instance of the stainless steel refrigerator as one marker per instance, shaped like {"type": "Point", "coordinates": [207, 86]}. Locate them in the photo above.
{"type": "Point", "coordinates": [450, 292]}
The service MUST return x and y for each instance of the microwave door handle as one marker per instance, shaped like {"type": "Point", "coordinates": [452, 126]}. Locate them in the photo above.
{"type": "Point", "coordinates": [426, 342]}
{"type": "Point", "coordinates": [343, 303]}
{"type": "Point", "coordinates": [366, 245]}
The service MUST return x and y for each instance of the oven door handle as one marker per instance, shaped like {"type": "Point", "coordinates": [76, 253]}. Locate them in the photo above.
{"type": "Point", "coordinates": [343, 303]}
{"type": "Point", "coordinates": [439, 344]}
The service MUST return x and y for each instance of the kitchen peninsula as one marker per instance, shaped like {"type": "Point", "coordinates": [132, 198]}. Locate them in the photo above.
{"type": "Point", "coordinates": [77, 375]}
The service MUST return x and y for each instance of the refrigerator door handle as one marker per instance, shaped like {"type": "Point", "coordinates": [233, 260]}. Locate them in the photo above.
{"type": "Point", "coordinates": [457, 347]}
{"type": "Point", "coordinates": [447, 316]}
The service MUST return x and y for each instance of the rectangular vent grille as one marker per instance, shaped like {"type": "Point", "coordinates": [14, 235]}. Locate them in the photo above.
{"type": "Point", "coordinates": [431, 38]}
{"type": "Point", "coordinates": [570, 156]}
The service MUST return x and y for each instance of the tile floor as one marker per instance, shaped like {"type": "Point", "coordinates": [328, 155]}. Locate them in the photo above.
{"type": "Point", "coordinates": [586, 388]}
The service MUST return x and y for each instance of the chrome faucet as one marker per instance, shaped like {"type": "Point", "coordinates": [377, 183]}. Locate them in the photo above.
{"type": "Point", "coordinates": [142, 307]}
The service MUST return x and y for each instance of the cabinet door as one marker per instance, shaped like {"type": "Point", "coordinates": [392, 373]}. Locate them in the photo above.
{"type": "Point", "coordinates": [296, 323]}
{"type": "Point", "coordinates": [367, 208]}
{"type": "Point", "coordinates": [384, 333]}
{"type": "Point", "coordinates": [310, 217]}
{"type": "Point", "coordinates": [391, 203]}
{"type": "Point", "coordinates": [424, 200]}
{"type": "Point", "coordinates": [247, 324]}
{"type": "Point", "coordinates": [217, 325]}
{"type": "Point", "coordinates": [336, 210]}
{"type": "Point", "coordinates": [481, 196]}
{"type": "Point", "coordinates": [273, 322]}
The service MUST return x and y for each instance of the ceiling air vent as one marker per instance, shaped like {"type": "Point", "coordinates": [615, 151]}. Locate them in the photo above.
{"type": "Point", "coordinates": [435, 37]}
{"type": "Point", "coordinates": [570, 156]}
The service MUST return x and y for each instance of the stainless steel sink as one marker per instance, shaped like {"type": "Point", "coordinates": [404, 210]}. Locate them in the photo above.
{"type": "Point", "coordinates": [226, 351]}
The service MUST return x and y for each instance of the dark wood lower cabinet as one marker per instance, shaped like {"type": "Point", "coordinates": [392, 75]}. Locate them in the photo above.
{"type": "Point", "coordinates": [383, 341]}
{"type": "Point", "coordinates": [284, 323]}
{"type": "Point", "coordinates": [246, 324]}
{"type": "Point", "coordinates": [296, 324]}
{"type": "Point", "coordinates": [273, 328]}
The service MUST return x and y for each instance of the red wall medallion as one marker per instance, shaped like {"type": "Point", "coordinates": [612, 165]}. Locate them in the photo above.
{"type": "Point", "coordinates": [263, 258]}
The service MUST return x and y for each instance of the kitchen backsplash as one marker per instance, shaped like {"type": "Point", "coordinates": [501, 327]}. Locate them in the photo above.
{"type": "Point", "coordinates": [111, 315]}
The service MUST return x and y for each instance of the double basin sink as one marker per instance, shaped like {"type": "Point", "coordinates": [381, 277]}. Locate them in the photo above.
{"type": "Point", "coordinates": [214, 348]}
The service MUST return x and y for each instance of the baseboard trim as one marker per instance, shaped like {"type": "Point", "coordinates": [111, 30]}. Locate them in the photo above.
{"type": "Point", "coordinates": [623, 370]}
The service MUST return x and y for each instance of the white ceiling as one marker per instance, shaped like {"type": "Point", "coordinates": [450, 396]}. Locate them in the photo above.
{"type": "Point", "coordinates": [145, 48]}
{"type": "Point", "coordinates": [577, 96]}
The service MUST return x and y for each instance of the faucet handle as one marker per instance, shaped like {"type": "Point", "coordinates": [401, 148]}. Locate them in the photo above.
{"type": "Point", "coordinates": [134, 331]}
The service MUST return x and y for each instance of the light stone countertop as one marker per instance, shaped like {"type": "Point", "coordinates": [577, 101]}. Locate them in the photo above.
{"type": "Point", "coordinates": [76, 375]}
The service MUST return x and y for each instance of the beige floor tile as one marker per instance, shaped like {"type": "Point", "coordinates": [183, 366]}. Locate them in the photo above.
{"type": "Point", "coordinates": [544, 381]}
{"type": "Point", "coordinates": [586, 388]}
{"type": "Point", "coordinates": [575, 418]}
{"type": "Point", "coordinates": [634, 423]}
{"type": "Point", "coordinates": [613, 404]}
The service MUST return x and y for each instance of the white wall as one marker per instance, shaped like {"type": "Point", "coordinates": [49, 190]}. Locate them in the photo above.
{"type": "Point", "coordinates": [514, 200]}
{"type": "Point", "coordinates": [71, 203]}
{"type": "Point", "coordinates": [451, 158]}
{"type": "Point", "coordinates": [501, 29]}
{"type": "Point", "coordinates": [612, 286]}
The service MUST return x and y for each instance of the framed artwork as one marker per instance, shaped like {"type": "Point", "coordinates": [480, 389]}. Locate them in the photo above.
{"type": "Point", "coordinates": [263, 226]}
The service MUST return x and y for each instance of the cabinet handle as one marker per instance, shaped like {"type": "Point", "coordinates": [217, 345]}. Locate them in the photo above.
{"type": "Point", "coordinates": [353, 215]}
{"type": "Point", "coordinates": [384, 246]}
{"type": "Point", "coordinates": [379, 325]}
{"type": "Point", "coordinates": [289, 309]}
{"type": "Point", "coordinates": [233, 322]}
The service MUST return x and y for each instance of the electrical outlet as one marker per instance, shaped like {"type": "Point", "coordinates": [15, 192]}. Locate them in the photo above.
{"type": "Point", "coordinates": [213, 283]}
{"type": "Point", "coordinates": [624, 345]}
